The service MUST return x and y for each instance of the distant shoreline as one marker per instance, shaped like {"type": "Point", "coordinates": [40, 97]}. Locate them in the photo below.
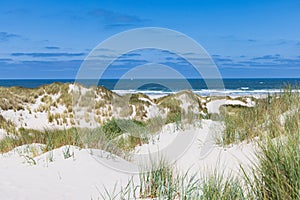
{"type": "Point", "coordinates": [155, 87]}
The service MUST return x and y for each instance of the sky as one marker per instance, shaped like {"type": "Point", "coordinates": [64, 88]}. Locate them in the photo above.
{"type": "Point", "coordinates": [245, 38]}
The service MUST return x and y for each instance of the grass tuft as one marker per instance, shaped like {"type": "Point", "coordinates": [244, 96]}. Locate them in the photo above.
{"type": "Point", "coordinates": [267, 118]}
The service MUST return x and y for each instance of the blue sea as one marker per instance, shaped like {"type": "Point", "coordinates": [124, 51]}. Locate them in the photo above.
{"type": "Point", "coordinates": [155, 86]}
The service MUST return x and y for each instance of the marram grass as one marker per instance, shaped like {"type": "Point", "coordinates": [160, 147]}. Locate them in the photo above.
{"type": "Point", "coordinates": [276, 175]}
{"type": "Point", "coordinates": [269, 117]}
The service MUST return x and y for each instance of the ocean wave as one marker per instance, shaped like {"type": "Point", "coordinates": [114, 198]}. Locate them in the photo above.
{"type": "Point", "coordinates": [206, 92]}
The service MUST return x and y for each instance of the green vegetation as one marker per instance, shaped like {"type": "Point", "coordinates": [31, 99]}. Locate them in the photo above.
{"type": "Point", "coordinates": [53, 88]}
{"type": "Point", "coordinates": [111, 129]}
{"type": "Point", "coordinates": [14, 98]}
{"type": "Point", "coordinates": [164, 182]}
{"type": "Point", "coordinates": [105, 93]}
{"type": "Point", "coordinates": [117, 136]}
{"type": "Point", "coordinates": [274, 121]}
{"type": "Point", "coordinates": [55, 138]}
{"type": "Point", "coordinates": [135, 99]}
{"type": "Point", "coordinates": [98, 99]}
{"type": "Point", "coordinates": [141, 113]}
{"type": "Point", "coordinates": [67, 152]}
{"type": "Point", "coordinates": [160, 182]}
{"type": "Point", "coordinates": [277, 174]}
{"type": "Point", "coordinates": [7, 125]}
{"type": "Point", "coordinates": [217, 186]}
{"type": "Point", "coordinates": [125, 134]}
{"type": "Point", "coordinates": [270, 116]}
{"type": "Point", "coordinates": [174, 109]}
{"type": "Point", "coordinates": [155, 124]}
{"type": "Point", "coordinates": [51, 138]}
{"type": "Point", "coordinates": [175, 113]}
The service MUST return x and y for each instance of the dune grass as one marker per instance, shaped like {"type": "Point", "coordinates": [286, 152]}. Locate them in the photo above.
{"type": "Point", "coordinates": [268, 117]}
{"type": "Point", "coordinates": [216, 186]}
{"type": "Point", "coordinates": [164, 182]}
{"type": "Point", "coordinates": [125, 134]}
{"type": "Point", "coordinates": [7, 125]}
{"type": "Point", "coordinates": [117, 136]}
{"type": "Point", "coordinates": [13, 98]}
{"type": "Point", "coordinates": [276, 175]}
{"type": "Point", "coordinates": [158, 182]}
{"type": "Point", "coordinates": [51, 138]}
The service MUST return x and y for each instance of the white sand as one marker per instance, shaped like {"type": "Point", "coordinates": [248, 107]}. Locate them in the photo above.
{"type": "Point", "coordinates": [83, 177]}
{"type": "Point", "coordinates": [214, 105]}
{"type": "Point", "coordinates": [3, 133]}
{"type": "Point", "coordinates": [204, 154]}
{"type": "Point", "coordinates": [78, 177]}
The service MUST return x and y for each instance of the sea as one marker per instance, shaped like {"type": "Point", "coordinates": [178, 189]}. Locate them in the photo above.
{"type": "Point", "coordinates": [238, 87]}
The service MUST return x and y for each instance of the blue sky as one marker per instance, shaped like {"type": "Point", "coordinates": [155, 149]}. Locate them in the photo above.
{"type": "Point", "coordinates": [49, 39]}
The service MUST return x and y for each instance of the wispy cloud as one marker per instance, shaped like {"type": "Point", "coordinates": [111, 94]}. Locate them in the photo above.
{"type": "Point", "coordinates": [261, 42]}
{"type": "Point", "coordinates": [222, 59]}
{"type": "Point", "coordinates": [5, 59]}
{"type": "Point", "coordinates": [52, 47]}
{"type": "Point", "coordinates": [267, 57]}
{"type": "Point", "coordinates": [288, 60]}
{"type": "Point", "coordinates": [247, 62]}
{"type": "Point", "coordinates": [48, 54]}
{"type": "Point", "coordinates": [5, 36]}
{"type": "Point", "coordinates": [115, 19]}
{"type": "Point", "coordinates": [134, 59]}
{"type": "Point", "coordinates": [40, 69]}
{"type": "Point", "coordinates": [252, 40]}
{"type": "Point", "coordinates": [131, 54]}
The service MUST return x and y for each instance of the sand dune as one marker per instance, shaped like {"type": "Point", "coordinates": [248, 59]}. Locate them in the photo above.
{"type": "Point", "coordinates": [70, 172]}
{"type": "Point", "coordinates": [83, 175]}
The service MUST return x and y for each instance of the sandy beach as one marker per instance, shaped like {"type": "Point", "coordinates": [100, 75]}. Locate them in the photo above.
{"type": "Point", "coordinates": [77, 172]}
